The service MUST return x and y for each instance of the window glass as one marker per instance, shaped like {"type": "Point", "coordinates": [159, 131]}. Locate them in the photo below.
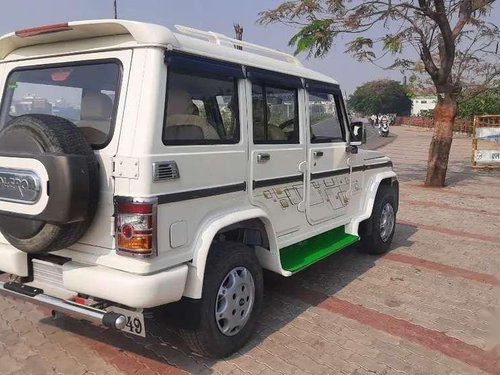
{"type": "Point", "coordinates": [275, 117]}
{"type": "Point", "coordinates": [325, 117]}
{"type": "Point", "coordinates": [83, 94]}
{"type": "Point", "coordinates": [201, 110]}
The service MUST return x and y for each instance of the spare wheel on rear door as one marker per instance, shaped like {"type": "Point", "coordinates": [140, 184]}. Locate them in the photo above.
{"type": "Point", "coordinates": [49, 183]}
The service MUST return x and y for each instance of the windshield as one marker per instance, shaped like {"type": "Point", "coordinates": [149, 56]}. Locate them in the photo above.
{"type": "Point", "coordinates": [84, 94]}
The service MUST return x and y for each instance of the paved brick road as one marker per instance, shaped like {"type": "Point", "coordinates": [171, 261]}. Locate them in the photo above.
{"type": "Point", "coordinates": [427, 307]}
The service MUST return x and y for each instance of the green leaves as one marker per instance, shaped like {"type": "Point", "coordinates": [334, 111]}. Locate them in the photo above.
{"type": "Point", "coordinates": [361, 49]}
{"type": "Point", "coordinates": [316, 38]}
{"type": "Point", "coordinates": [380, 31]}
{"type": "Point", "coordinates": [392, 43]}
{"type": "Point", "coordinates": [486, 103]}
{"type": "Point", "coordinates": [403, 64]}
{"type": "Point", "coordinates": [382, 96]}
{"type": "Point", "coordinates": [360, 43]}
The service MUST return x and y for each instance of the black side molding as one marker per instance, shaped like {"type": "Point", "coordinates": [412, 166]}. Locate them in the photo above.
{"type": "Point", "coordinates": [277, 181]}
{"type": "Point", "coordinates": [359, 168]}
{"type": "Point", "coordinates": [379, 165]}
{"type": "Point", "coordinates": [201, 193]}
{"type": "Point", "coordinates": [226, 189]}
{"type": "Point", "coordinates": [336, 172]}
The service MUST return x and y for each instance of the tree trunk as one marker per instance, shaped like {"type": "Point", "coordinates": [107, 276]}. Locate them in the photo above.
{"type": "Point", "coordinates": [439, 151]}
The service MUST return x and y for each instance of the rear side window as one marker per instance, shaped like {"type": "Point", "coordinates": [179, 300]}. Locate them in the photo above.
{"type": "Point", "coordinates": [85, 94]}
{"type": "Point", "coordinates": [202, 102]}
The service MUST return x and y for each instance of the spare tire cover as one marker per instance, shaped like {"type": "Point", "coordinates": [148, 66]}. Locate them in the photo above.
{"type": "Point", "coordinates": [40, 134]}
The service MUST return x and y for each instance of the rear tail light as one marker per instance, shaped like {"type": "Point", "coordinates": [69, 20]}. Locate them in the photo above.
{"type": "Point", "coordinates": [135, 223]}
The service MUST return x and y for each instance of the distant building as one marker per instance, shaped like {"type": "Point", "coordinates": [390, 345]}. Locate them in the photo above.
{"type": "Point", "coordinates": [422, 103]}
{"type": "Point", "coordinates": [30, 104]}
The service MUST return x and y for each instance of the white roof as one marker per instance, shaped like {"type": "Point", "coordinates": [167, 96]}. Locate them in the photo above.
{"type": "Point", "coordinates": [188, 40]}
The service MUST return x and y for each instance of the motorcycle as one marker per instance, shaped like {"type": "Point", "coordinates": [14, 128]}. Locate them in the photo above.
{"type": "Point", "coordinates": [383, 129]}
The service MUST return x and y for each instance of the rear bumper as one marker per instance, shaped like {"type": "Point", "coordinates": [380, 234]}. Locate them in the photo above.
{"type": "Point", "coordinates": [108, 319]}
{"type": "Point", "coordinates": [133, 290]}
{"type": "Point", "coordinates": [139, 291]}
{"type": "Point", "coordinates": [13, 261]}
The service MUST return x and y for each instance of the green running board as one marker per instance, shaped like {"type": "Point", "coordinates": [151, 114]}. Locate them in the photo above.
{"type": "Point", "coordinates": [300, 255]}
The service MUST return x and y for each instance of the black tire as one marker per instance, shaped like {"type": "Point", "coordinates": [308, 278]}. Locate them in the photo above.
{"type": "Point", "coordinates": [370, 232]}
{"type": "Point", "coordinates": [48, 134]}
{"type": "Point", "coordinates": [207, 339]}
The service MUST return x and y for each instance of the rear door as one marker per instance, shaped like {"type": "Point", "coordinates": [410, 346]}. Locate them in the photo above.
{"type": "Point", "coordinates": [88, 90]}
{"type": "Point", "coordinates": [330, 184]}
{"type": "Point", "coordinates": [277, 148]}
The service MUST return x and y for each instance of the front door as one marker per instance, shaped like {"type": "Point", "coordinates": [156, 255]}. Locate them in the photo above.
{"type": "Point", "coordinates": [330, 181]}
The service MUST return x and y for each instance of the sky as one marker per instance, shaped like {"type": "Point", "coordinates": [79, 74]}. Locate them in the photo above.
{"type": "Point", "coordinates": [213, 15]}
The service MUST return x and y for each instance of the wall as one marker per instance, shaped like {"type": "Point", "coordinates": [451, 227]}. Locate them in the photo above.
{"type": "Point", "coordinates": [461, 125]}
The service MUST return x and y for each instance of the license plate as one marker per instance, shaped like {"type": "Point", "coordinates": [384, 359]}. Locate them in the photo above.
{"type": "Point", "coordinates": [135, 321]}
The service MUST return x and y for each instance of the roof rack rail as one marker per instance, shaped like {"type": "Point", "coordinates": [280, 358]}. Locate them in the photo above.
{"type": "Point", "coordinates": [221, 39]}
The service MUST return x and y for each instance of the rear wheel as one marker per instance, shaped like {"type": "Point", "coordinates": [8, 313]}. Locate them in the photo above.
{"type": "Point", "coordinates": [377, 232]}
{"type": "Point", "coordinates": [231, 301]}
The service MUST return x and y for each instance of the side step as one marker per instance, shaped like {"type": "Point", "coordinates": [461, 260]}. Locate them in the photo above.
{"type": "Point", "coordinates": [300, 255]}
{"type": "Point", "coordinates": [35, 295]}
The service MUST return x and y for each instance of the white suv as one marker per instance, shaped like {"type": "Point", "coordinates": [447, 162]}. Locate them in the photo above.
{"type": "Point", "coordinates": [141, 167]}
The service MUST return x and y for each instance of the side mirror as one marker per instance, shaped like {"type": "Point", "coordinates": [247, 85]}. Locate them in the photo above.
{"type": "Point", "coordinates": [357, 133]}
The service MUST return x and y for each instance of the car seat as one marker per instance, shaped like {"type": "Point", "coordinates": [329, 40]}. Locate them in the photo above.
{"type": "Point", "coordinates": [95, 117]}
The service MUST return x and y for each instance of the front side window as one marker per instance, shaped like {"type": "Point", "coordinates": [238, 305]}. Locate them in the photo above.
{"type": "Point", "coordinates": [325, 116]}
{"type": "Point", "coordinates": [275, 118]}
{"type": "Point", "coordinates": [201, 110]}
{"type": "Point", "coordinates": [84, 94]}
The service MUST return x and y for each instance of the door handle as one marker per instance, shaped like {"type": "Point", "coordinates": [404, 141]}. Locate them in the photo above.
{"type": "Point", "coordinates": [262, 158]}
{"type": "Point", "coordinates": [317, 154]}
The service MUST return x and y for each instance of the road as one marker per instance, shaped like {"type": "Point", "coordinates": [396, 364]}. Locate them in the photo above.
{"type": "Point", "coordinates": [429, 306]}
{"type": "Point", "coordinates": [426, 307]}
{"type": "Point", "coordinates": [373, 140]}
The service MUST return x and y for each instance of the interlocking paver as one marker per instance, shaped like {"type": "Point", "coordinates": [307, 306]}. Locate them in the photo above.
{"type": "Point", "coordinates": [8, 364]}
{"type": "Point", "coordinates": [297, 334]}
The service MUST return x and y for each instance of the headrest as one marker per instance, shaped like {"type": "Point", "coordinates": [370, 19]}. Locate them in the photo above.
{"type": "Point", "coordinates": [96, 106]}
{"type": "Point", "coordinates": [181, 103]}
{"type": "Point", "coordinates": [258, 111]}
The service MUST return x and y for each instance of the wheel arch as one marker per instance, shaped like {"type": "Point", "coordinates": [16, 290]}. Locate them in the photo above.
{"type": "Point", "coordinates": [383, 178]}
{"type": "Point", "coordinates": [268, 257]}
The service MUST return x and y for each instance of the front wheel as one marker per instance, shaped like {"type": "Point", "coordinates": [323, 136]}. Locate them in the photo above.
{"type": "Point", "coordinates": [231, 301]}
{"type": "Point", "coordinates": [377, 232]}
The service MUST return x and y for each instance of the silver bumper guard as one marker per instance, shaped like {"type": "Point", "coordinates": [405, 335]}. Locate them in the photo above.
{"type": "Point", "coordinates": [34, 295]}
